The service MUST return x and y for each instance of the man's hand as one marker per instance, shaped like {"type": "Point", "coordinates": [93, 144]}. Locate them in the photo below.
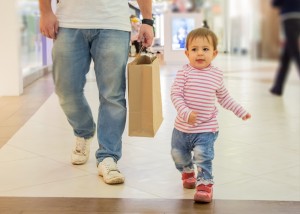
{"type": "Point", "coordinates": [146, 35]}
{"type": "Point", "coordinates": [49, 25]}
{"type": "Point", "coordinates": [146, 31]}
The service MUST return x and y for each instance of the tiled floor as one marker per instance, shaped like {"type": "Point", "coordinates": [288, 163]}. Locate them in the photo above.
{"type": "Point", "coordinates": [257, 159]}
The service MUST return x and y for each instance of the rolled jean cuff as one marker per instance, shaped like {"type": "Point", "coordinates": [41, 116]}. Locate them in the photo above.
{"type": "Point", "coordinates": [205, 182]}
{"type": "Point", "coordinates": [88, 136]}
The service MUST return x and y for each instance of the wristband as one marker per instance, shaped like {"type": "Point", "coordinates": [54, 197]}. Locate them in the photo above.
{"type": "Point", "coordinates": [148, 22]}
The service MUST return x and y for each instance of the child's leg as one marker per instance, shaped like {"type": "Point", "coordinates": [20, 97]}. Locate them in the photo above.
{"type": "Point", "coordinates": [203, 156]}
{"type": "Point", "coordinates": [182, 157]}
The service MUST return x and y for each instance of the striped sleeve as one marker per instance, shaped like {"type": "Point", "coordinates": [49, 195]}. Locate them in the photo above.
{"type": "Point", "coordinates": [227, 102]}
{"type": "Point", "coordinates": [177, 97]}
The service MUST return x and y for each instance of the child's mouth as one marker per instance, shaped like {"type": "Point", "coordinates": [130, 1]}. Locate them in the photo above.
{"type": "Point", "coordinates": [200, 60]}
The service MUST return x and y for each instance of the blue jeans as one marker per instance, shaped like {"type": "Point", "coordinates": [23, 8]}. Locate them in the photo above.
{"type": "Point", "coordinates": [72, 53]}
{"type": "Point", "coordinates": [202, 147]}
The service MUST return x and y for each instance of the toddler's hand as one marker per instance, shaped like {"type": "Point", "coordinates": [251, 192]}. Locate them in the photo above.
{"type": "Point", "coordinates": [247, 116]}
{"type": "Point", "coordinates": [192, 118]}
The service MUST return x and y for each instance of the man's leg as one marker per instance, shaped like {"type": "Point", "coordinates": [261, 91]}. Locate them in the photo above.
{"type": "Point", "coordinates": [292, 32]}
{"type": "Point", "coordinates": [71, 62]}
{"type": "Point", "coordinates": [282, 73]}
{"type": "Point", "coordinates": [110, 54]}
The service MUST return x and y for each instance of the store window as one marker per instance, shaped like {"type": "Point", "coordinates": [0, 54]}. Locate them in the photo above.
{"type": "Point", "coordinates": [31, 38]}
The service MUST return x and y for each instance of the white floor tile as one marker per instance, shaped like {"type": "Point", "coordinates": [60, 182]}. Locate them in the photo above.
{"type": "Point", "coordinates": [9, 153]}
{"type": "Point", "coordinates": [35, 171]}
{"type": "Point", "coordinates": [256, 189]}
{"type": "Point", "coordinates": [83, 186]}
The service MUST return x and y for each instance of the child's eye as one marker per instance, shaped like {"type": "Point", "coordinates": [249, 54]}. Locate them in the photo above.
{"type": "Point", "coordinates": [205, 49]}
{"type": "Point", "coordinates": [194, 49]}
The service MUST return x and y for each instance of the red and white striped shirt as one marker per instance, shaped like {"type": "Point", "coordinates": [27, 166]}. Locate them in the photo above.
{"type": "Point", "coordinates": [197, 90]}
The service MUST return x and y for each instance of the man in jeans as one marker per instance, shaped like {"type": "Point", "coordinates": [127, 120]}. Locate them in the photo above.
{"type": "Point", "coordinates": [97, 30]}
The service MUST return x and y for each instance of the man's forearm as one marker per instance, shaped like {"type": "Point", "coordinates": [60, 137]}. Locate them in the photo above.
{"type": "Point", "coordinates": [145, 7]}
{"type": "Point", "coordinates": [45, 6]}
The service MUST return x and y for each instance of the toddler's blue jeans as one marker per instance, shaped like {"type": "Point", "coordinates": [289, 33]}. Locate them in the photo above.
{"type": "Point", "coordinates": [189, 149]}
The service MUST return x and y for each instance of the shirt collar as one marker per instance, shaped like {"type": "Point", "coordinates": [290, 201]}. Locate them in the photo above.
{"type": "Point", "coordinates": [189, 67]}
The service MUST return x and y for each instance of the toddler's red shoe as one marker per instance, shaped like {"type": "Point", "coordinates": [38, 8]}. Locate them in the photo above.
{"type": "Point", "coordinates": [203, 193]}
{"type": "Point", "coordinates": [189, 180]}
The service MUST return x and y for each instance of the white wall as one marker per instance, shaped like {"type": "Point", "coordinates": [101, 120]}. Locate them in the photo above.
{"type": "Point", "coordinates": [11, 82]}
{"type": "Point", "coordinates": [11, 76]}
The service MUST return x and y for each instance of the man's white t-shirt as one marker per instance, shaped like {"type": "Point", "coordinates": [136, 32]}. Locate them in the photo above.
{"type": "Point", "coordinates": [94, 14]}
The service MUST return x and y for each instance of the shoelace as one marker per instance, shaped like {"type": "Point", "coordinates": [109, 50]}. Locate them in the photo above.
{"type": "Point", "coordinates": [80, 147]}
{"type": "Point", "coordinates": [111, 167]}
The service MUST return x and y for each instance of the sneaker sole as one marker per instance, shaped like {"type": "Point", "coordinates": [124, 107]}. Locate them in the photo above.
{"type": "Point", "coordinates": [114, 181]}
{"type": "Point", "coordinates": [189, 185]}
{"type": "Point", "coordinates": [202, 199]}
{"type": "Point", "coordinates": [74, 162]}
{"type": "Point", "coordinates": [78, 163]}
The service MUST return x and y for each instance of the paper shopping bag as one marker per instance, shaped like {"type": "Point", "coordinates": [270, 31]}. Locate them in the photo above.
{"type": "Point", "coordinates": [144, 96]}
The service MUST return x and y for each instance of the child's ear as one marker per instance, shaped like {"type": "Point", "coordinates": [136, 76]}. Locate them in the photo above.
{"type": "Point", "coordinates": [186, 53]}
{"type": "Point", "coordinates": [215, 53]}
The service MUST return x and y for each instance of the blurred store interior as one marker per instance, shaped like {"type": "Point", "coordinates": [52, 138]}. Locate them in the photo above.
{"type": "Point", "coordinates": [249, 28]}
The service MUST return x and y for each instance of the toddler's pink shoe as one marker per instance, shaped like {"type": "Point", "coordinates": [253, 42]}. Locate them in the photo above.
{"type": "Point", "coordinates": [189, 180]}
{"type": "Point", "coordinates": [203, 193]}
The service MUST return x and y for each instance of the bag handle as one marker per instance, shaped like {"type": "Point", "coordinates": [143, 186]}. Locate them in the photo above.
{"type": "Point", "coordinates": [142, 49]}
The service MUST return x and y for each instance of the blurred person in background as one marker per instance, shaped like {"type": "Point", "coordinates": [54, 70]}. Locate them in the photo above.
{"type": "Point", "coordinates": [290, 19]}
{"type": "Point", "coordinates": [205, 24]}
{"type": "Point", "coordinates": [183, 6]}
{"type": "Point", "coordinates": [135, 29]}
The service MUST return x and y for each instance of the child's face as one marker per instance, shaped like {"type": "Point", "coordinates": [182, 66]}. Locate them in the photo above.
{"type": "Point", "coordinates": [201, 52]}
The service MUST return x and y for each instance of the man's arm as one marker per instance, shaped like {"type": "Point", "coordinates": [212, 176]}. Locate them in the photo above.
{"type": "Point", "coordinates": [146, 8]}
{"type": "Point", "coordinates": [48, 21]}
{"type": "Point", "coordinates": [146, 31]}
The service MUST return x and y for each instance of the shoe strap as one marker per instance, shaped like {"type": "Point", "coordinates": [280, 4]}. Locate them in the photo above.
{"type": "Point", "coordinates": [204, 188]}
{"type": "Point", "coordinates": [187, 175]}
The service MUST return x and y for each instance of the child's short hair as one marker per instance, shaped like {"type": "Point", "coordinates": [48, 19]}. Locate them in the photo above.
{"type": "Point", "coordinates": [202, 32]}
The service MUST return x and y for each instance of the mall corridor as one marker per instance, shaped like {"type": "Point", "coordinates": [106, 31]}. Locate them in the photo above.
{"type": "Point", "coordinates": [256, 166]}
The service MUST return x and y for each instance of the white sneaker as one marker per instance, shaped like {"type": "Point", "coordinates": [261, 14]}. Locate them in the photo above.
{"type": "Point", "coordinates": [81, 152]}
{"type": "Point", "coordinates": [108, 169]}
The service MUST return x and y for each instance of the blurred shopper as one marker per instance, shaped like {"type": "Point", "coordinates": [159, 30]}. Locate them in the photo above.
{"type": "Point", "coordinates": [99, 31]}
{"type": "Point", "coordinates": [205, 24]}
{"type": "Point", "coordinates": [196, 88]}
{"type": "Point", "coordinates": [135, 29]}
{"type": "Point", "coordinates": [183, 6]}
{"type": "Point", "coordinates": [290, 18]}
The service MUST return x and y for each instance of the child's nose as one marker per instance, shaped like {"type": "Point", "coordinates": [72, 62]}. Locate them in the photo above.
{"type": "Point", "coordinates": [199, 52]}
